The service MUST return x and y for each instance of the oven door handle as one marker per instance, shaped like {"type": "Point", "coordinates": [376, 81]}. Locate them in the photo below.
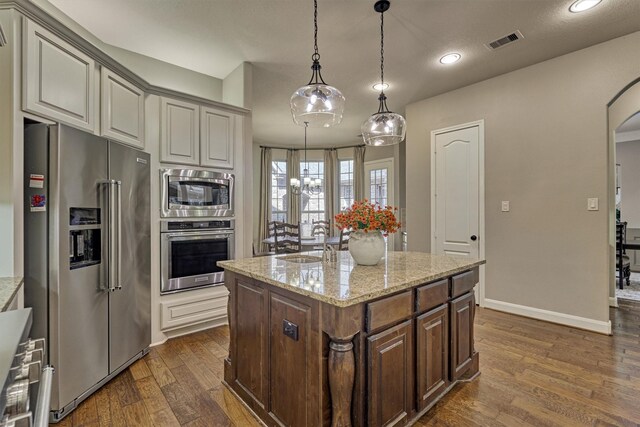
{"type": "Point", "coordinates": [199, 235]}
{"type": "Point", "coordinates": [41, 418]}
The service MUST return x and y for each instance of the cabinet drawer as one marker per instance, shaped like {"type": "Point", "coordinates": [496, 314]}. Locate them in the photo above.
{"type": "Point", "coordinates": [388, 311]}
{"type": "Point", "coordinates": [463, 283]}
{"type": "Point", "coordinates": [194, 310]}
{"type": "Point", "coordinates": [432, 295]}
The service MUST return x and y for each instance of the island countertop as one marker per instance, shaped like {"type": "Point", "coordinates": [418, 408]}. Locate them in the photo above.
{"type": "Point", "coordinates": [9, 287]}
{"type": "Point", "coordinates": [344, 283]}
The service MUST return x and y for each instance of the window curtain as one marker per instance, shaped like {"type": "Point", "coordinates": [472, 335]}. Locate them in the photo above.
{"type": "Point", "coordinates": [330, 176]}
{"type": "Point", "coordinates": [358, 172]}
{"type": "Point", "coordinates": [264, 214]}
{"type": "Point", "coordinates": [293, 171]}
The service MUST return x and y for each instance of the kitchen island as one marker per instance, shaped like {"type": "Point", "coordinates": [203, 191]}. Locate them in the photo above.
{"type": "Point", "coordinates": [319, 344]}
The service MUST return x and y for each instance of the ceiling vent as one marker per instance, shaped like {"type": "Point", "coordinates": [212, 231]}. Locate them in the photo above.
{"type": "Point", "coordinates": [502, 41]}
{"type": "Point", "coordinates": [3, 39]}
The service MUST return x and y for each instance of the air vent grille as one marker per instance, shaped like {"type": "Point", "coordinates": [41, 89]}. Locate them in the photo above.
{"type": "Point", "coordinates": [3, 39]}
{"type": "Point", "coordinates": [502, 41]}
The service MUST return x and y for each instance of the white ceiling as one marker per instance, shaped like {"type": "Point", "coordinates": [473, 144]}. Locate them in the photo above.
{"type": "Point", "coordinates": [631, 125]}
{"type": "Point", "coordinates": [215, 36]}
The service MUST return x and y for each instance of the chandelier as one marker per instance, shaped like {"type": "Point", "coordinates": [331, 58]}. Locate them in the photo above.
{"type": "Point", "coordinates": [383, 127]}
{"type": "Point", "coordinates": [317, 104]}
{"type": "Point", "coordinates": [307, 185]}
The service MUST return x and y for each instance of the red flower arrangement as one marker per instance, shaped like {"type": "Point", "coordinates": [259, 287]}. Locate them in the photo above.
{"type": "Point", "coordinates": [365, 216]}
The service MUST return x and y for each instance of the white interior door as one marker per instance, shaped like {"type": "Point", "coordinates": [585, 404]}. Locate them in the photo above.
{"type": "Point", "coordinates": [457, 203]}
{"type": "Point", "coordinates": [378, 186]}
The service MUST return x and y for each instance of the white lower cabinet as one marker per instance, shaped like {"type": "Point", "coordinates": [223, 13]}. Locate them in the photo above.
{"type": "Point", "coordinates": [191, 310]}
{"type": "Point", "coordinates": [122, 108]}
{"type": "Point", "coordinates": [58, 79]}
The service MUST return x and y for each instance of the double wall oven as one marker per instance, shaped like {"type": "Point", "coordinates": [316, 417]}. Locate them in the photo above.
{"type": "Point", "coordinates": [197, 230]}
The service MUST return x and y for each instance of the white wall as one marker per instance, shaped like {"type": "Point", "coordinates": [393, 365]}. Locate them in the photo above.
{"type": "Point", "coordinates": [545, 152]}
{"type": "Point", "coordinates": [628, 157]}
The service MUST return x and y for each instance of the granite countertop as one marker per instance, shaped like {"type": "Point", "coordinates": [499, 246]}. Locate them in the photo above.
{"type": "Point", "coordinates": [9, 287]}
{"type": "Point", "coordinates": [344, 283]}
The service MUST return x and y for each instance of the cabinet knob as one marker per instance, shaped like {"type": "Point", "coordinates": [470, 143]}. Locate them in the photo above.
{"type": "Point", "coordinates": [474, 237]}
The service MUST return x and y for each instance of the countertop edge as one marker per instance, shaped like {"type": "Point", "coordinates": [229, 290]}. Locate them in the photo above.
{"type": "Point", "coordinates": [360, 299]}
{"type": "Point", "coordinates": [17, 287]}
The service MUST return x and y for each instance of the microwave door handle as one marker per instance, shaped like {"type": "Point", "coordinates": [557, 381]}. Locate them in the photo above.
{"type": "Point", "coordinates": [118, 186]}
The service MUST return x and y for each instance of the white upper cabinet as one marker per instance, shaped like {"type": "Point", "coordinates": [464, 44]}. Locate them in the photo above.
{"type": "Point", "coordinates": [58, 79]}
{"type": "Point", "coordinates": [122, 108]}
{"type": "Point", "coordinates": [179, 132]}
{"type": "Point", "coordinates": [217, 137]}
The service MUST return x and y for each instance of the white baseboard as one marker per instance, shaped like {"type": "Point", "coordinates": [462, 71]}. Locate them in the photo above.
{"type": "Point", "coordinates": [153, 344]}
{"type": "Point", "coordinates": [613, 302]}
{"type": "Point", "coordinates": [603, 327]}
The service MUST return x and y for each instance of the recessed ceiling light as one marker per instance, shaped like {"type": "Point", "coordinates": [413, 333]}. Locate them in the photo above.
{"type": "Point", "coordinates": [450, 58]}
{"type": "Point", "coordinates": [582, 5]}
{"type": "Point", "coordinates": [380, 86]}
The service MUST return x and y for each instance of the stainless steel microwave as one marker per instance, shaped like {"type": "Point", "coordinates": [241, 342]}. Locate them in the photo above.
{"type": "Point", "coordinates": [188, 193]}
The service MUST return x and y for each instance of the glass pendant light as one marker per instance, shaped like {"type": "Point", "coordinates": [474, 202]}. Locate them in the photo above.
{"type": "Point", "coordinates": [383, 127]}
{"type": "Point", "coordinates": [317, 103]}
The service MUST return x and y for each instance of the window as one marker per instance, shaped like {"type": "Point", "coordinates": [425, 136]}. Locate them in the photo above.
{"type": "Point", "coordinates": [378, 182]}
{"type": "Point", "coordinates": [346, 184]}
{"type": "Point", "coordinates": [312, 208]}
{"type": "Point", "coordinates": [279, 190]}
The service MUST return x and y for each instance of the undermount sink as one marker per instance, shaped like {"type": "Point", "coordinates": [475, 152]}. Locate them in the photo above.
{"type": "Point", "coordinates": [300, 259]}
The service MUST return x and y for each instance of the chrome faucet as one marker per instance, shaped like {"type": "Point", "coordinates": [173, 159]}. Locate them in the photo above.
{"type": "Point", "coordinates": [328, 252]}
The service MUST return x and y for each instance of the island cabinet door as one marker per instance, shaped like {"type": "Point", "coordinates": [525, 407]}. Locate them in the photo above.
{"type": "Point", "coordinates": [389, 377]}
{"type": "Point", "coordinates": [432, 355]}
{"type": "Point", "coordinates": [293, 364]}
{"type": "Point", "coordinates": [251, 340]}
{"type": "Point", "coordinates": [462, 312]}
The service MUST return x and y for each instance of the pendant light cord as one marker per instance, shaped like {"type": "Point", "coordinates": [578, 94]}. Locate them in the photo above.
{"type": "Point", "coordinates": [316, 55]}
{"type": "Point", "coordinates": [306, 164]}
{"type": "Point", "coordinates": [382, 52]}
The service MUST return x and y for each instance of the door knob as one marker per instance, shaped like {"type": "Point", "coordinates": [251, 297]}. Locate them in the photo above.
{"type": "Point", "coordinates": [474, 237]}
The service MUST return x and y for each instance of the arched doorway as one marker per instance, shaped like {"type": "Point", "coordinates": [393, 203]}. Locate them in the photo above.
{"type": "Point", "coordinates": [623, 106]}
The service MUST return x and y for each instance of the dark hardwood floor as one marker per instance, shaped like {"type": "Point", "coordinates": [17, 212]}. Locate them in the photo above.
{"type": "Point", "coordinates": [533, 374]}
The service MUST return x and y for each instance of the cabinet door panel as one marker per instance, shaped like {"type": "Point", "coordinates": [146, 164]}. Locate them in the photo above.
{"type": "Point", "coordinates": [432, 355]}
{"type": "Point", "coordinates": [122, 107]}
{"type": "Point", "coordinates": [251, 345]}
{"type": "Point", "coordinates": [179, 133]}
{"type": "Point", "coordinates": [217, 137]}
{"type": "Point", "coordinates": [461, 317]}
{"type": "Point", "coordinates": [289, 384]}
{"type": "Point", "coordinates": [389, 376]}
{"type": "Point", "coordinates": [58, 79]}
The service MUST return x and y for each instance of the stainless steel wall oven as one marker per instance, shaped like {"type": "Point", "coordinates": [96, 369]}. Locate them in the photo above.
{"type": "Point", "coordinates": [187, 193]}
{"type": "Point", "coordinates": [190, 250]}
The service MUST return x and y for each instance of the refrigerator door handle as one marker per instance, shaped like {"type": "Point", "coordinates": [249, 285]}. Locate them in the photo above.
{"type": "Point", "coordinates": [111, 234]}
{"type": "Point", "coordinates": [118, 260]}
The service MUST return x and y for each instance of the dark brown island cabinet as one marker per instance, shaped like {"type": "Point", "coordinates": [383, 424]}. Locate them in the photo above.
{"type": "Point", "coordinates": [335, 344]}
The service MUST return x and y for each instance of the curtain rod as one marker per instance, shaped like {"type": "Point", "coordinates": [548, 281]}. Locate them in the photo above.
{"type": "Point", "coordinates": [312, 149]}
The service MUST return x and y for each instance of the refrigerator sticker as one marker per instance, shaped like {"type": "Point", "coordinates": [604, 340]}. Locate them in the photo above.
{"type": "Point", "coordinates": [38, 203]}
{"type": "Point", "coordinates": [36, 181]}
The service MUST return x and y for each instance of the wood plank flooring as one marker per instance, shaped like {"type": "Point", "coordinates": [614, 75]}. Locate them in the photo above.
{"type": "Point", "coordinates": [533, 374]}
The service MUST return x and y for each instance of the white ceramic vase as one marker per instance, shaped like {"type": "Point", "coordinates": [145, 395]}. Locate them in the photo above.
{"type": "Point", "coordinates": [366, 248]}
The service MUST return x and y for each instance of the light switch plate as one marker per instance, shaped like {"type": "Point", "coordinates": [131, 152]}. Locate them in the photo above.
{"type": "Point", "coordinates": [505, 206]}
{"type": "Point", "coordinates": [592, 204]}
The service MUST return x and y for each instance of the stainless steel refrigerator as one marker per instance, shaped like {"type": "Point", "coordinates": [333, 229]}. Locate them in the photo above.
{"type": "Point", "coordinates": [87, 256]}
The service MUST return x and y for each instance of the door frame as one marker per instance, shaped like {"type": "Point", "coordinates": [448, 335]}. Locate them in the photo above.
{"type": "Point", "coordinates": [480, 289]}
{"type": "Point", "coordinates": [390, 188]}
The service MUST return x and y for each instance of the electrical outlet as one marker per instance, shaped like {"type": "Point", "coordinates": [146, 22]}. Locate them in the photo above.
{"type": "Point", "coordinates": [290, 329]}
{"type": "Point", "coordinates": [592, 204]}
{"type": "Point", "coordinates": [505, 206]}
